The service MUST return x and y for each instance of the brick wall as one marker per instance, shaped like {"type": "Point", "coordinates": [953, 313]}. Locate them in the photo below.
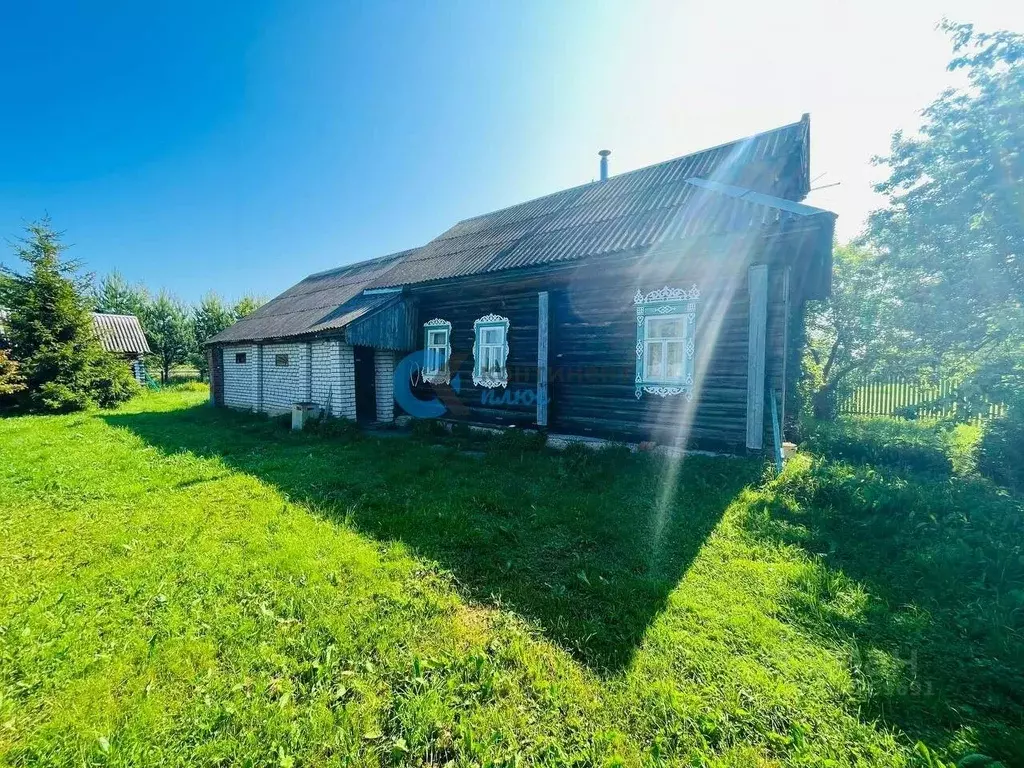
{"type": "Point", "coordinates": [320, 371]}
{"type": "Point", "coordinates": [240, 378]}
{"type": "Point", "coordinates": [333, 377]}
{"type": "Point", "coordinates": [284, 385]}
{"type": "Point", "coordinates": [384, 370]}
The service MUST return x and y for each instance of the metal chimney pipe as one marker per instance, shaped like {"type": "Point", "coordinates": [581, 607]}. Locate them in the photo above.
{"type": "Point", "coordinates": [604, 163]}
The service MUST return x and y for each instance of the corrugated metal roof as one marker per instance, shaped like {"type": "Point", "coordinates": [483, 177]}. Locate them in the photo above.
{"type": "Point", "coordinates": [640, 208]}
{"type": "Point", "coordinates": [716, 190]}
{"type": "Point", "coordinates": [322, 302]}
{"type": "Point", "coordinates": [120, 333]}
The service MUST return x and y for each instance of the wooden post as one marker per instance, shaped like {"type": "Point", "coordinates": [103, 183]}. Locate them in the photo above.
{"type": "Point", "coordinates": [757, 289]}
{"type": "Point", "coordinates": [542, 359]}
{"type": "Point", "coordinates": [786, 312]}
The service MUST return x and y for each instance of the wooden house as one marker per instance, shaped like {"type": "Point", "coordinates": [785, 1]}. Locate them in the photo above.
{"type": "Point", "coordinates": [123, 335]}
{"type": "Point", "coordinates": [664, 304]}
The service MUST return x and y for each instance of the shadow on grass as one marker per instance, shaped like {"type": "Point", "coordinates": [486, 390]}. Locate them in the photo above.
{"type": "Point", "coordinates": [920, 579]}
{"type": "Point", "coordinates": [573, 542]}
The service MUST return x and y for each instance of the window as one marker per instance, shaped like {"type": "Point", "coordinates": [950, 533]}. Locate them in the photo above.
{"type": "Point", "coordinates": [665, 338]}
{"type": "Point", "coordinates": [281, 361]}
{"type": "Point", "coordinates": [240, 358]}
{"type": "Point", "coordinates": [665, 346]}
{"type": "Point", "coordinates": [490, 351]}
{"type": "Point", "coordinates": [437, 351]}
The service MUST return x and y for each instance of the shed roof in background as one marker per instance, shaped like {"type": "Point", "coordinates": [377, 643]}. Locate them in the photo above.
{"type": "Point", "coordinates": [120, 333]}
{"type": "Point", "coordinates": [714, 191]}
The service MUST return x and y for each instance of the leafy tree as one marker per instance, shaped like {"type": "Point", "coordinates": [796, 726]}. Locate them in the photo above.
{"type": "Point", "coordinates": [952, 230]}
{"type": "Point", "coordinates": [247, 305]}
{"type": "Point", "coordinates": [169, 331]}
{"type": "Point", "coordinates": [50, 332]}
{"type": "Point", "coordinates": [211, 317]}
{"type": "Point", "coordinates": [855, 331]}
{"type": "Point", "coordinates": [116, 295]}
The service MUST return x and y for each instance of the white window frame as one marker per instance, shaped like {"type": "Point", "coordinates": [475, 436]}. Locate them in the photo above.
{"type": "Point", "coordinates": [666, 304]}
{"type": "Point", "coordinates": [441, 373]}
{"type": "Point", "coordinates": [663, 342]}
{"type": "Point", "coordinates": [491, 351]}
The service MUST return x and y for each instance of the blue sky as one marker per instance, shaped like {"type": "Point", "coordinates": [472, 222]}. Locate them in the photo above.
{"type": "Point", "coordinates": [241, 146]}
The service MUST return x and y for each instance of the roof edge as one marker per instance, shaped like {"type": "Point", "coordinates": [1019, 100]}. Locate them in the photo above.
{"type": "Point", "coordinates": [742, 193]}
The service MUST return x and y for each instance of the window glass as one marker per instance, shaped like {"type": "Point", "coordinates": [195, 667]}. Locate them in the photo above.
{"type": "Point", "coordinates": [240, 358]}
{"type": "Point", "coordinates": [665, 349]}
{"type": "Point", "coordinates": [674, 363]}
{"type": "Point", "coordinates": [280, 360]}
{"type": "Point", "coordinates": [490, 351]}
{"type": "Point", "coordinates": [665, 328]}
{"type": "Point", "coordinates": [436, 350]}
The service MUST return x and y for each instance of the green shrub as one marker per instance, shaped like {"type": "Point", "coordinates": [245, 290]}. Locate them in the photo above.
{"type": "Point", "coordinates": [113, 384]}
{"type": "Point", "coordinates": [58, 397]}
{"type": "Point", "coordinates": [1001, 452]}
{"type": "Point", "coordinates": [905, 445]}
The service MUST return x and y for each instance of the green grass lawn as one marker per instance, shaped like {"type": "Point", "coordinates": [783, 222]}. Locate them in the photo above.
{"type": "Point", "coordinates": [184, 585]}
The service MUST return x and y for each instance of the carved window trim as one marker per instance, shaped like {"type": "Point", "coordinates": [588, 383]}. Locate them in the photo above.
{"type": "Point", "coordinates": [490, 379]}
{"type": "Point", "coordinates": [437, 374]}
{"type": "Point", "coordinates": [666, 303]}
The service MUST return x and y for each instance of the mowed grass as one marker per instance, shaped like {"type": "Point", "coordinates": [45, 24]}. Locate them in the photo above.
{"type": "Point", "coordinates": [182, 585]}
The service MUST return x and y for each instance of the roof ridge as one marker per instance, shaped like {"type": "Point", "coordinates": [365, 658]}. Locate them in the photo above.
{"type": "Point", "coordinates": [363, 263]}
{"type": "Point", "coordinates": [625, 174]}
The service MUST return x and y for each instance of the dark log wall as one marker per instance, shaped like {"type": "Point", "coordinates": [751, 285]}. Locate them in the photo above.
{"type": "Point", "coordinates": [592, 344]}
{"type": "Point", "coordinates": [593, 362]}
{"type": "Point", "coordinates": [462, 306]}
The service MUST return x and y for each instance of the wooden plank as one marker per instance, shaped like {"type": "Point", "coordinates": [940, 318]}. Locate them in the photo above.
{"type": "Point", "coordinates": [786, 315]}
{"type": "Point", "coordinates": [757, 290]}
{"type": "Point", "coordinates": [542, 358]}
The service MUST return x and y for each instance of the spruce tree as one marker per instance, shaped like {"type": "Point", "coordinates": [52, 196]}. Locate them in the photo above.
{"type": "Point", "coordinates": [50, 332]}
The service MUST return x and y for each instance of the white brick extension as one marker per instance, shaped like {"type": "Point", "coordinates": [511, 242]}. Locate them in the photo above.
{"type": "Point", "coordinates": [321, 371]}
{"type": "Point", "coordinates": [384, 373]}
{"type": "Point", "coordinates": [333, 378]}
{"type": "Point", "coordinates": [240, 378]}
{"type": "Point", "coordinates": [284, 385]}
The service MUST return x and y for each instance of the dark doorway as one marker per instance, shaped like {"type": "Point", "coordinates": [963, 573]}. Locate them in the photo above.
{"type": "Point", "coordinates": [366, 385]}
{"type": "Point", "coordinates": [215, 360]}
